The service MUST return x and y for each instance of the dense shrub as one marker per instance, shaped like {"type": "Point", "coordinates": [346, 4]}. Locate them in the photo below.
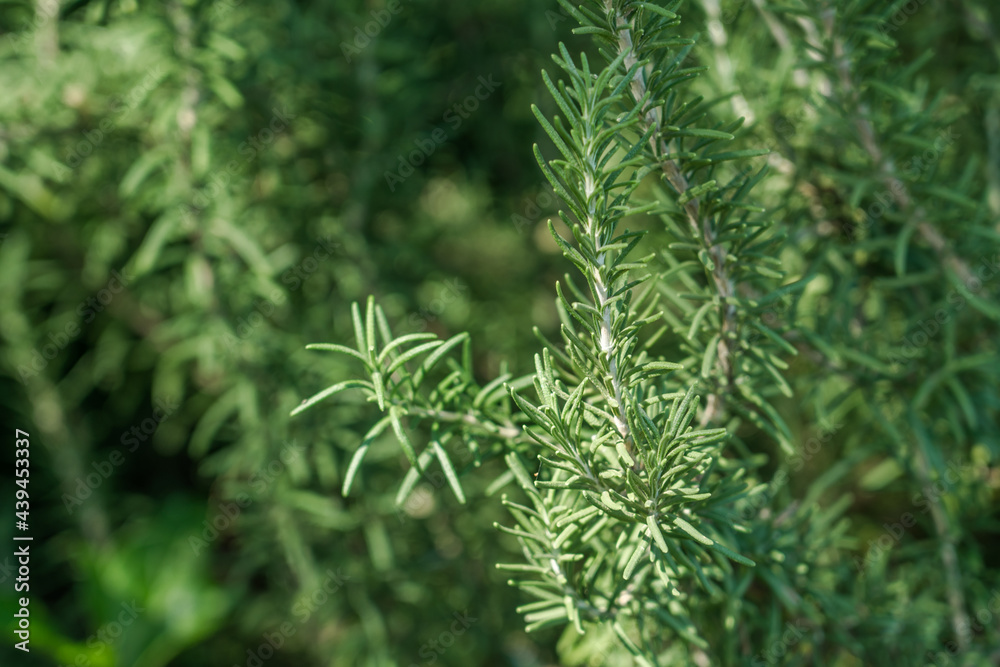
{"type": "Point", "coordinates": [756, 423]}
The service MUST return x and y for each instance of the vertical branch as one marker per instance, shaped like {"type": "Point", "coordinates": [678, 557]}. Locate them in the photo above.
{"type": "Point", "coordinates": [884, 166]}
{"type": "Point", "coordinates": [608, 345]}
{"type": "Point", "coordinates": [886, 170]}
{"type": "Point", "coordinates": [701, 225]}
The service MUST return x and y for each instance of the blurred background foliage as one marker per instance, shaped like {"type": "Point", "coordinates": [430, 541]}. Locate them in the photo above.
{"type": "Point", "coordinates": [192, 191]}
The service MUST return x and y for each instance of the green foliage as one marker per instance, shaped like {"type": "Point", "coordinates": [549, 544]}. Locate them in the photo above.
{"type": "Point", "coordinates": [630, 499]}
{"type": "Point", "coordinates": [144, 141]}
{"type": "Point", "coordinates": [755, 424]}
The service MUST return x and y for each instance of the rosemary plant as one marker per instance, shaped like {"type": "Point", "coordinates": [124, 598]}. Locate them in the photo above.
{"type": "Point", "coordinates": [649, 526]}
{"type": "Point", "coordinates": [627, 510]}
